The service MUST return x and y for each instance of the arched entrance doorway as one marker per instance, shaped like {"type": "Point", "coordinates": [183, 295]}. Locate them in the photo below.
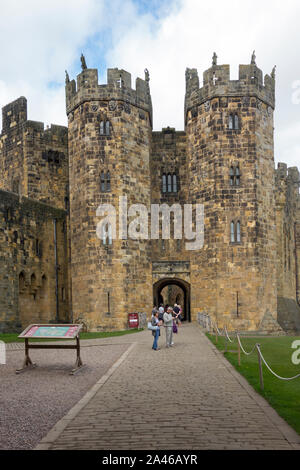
{"type": "Point", "coordinates": [172, 290]}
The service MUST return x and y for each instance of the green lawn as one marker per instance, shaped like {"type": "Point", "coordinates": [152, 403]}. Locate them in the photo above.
{"type": "Point", "coordinates": [13, 337]}
{"type": "Point", "coordinates": [282, 395]}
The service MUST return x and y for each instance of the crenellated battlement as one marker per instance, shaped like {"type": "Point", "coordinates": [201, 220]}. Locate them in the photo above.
{"type": "Point", "coordinates": [217, 83]}
{"type": "Point", "coordinates": [118, 87]}
{"type": "Point", "coordinates": [14, 114]}
{"type": "Point", "coordinates": [287, 185]}
{"type": "Point", "coordinates": [52, 133]}
{"type": "Point", "coordinates": [14, 118]}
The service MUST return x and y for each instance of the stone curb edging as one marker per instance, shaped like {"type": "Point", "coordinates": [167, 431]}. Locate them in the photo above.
{"type": "Point", "coordinates": [60, 426]}
{"type": "Point", "coordinates": [286, 430]}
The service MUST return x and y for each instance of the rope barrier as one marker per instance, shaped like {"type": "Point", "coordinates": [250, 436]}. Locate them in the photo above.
{"type": "Point", "coordinates": [245, 352]}
{"type": "Point", "coordinates": [268, 367]}
{"type": "Point", "coordinates": [256, 346]}
{"type": "Point", "coordinates": [226, 332]}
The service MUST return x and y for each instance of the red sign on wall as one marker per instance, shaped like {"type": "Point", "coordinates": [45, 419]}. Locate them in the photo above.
{"type": "Point", "coordinates": [133, 320]}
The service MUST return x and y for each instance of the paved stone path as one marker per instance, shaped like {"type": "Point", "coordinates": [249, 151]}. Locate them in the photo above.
{"type": "Point", "coordinates": [185, 397]}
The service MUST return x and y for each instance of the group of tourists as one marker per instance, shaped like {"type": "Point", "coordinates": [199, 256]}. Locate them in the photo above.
{"type": "Point", "coordinates": [168, 317]}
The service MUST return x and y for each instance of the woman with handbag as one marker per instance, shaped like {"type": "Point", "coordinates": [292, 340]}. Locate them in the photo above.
{"type": "Point", "coordinates": [156, 333]}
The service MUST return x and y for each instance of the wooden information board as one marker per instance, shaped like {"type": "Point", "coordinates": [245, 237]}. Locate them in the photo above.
{"type": "Point", "coordinates": [59, 331]}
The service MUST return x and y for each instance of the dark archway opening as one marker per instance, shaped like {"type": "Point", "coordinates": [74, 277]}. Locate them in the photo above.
{"type": "Point", "coordinates": [170, 291]}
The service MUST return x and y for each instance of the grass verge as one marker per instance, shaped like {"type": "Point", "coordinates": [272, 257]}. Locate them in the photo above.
{"type": "Point", "coordinates": [283, 396]}
{"type": "Point", "coordinates": [13, 337]}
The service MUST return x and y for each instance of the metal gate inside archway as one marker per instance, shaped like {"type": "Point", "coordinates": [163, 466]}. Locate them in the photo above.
{"type": "Point", "coordinates": [169, 291]}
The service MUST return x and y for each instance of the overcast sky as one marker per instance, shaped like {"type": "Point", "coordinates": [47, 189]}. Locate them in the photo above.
{"type": "Point", "coordinates": [39, 40]}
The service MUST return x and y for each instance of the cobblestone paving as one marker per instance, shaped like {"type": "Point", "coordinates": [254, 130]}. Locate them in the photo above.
{"type": "Point", "coordinates": [31, 403]}
{"type": "Point", "coordinates": [185, 397]}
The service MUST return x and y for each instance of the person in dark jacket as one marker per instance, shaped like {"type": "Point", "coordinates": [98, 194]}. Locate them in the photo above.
{"type": "Point", "coordinates": [176, 310]}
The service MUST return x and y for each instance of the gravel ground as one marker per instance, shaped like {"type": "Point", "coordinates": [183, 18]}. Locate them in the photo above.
{"type": "Point", "coordinates": [32, 402]}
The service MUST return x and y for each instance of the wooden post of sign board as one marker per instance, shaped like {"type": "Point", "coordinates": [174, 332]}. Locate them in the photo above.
{"type": "Point", "coordinates": [27, 364]}
{"type": "Point", "coordinates": [78, 364]}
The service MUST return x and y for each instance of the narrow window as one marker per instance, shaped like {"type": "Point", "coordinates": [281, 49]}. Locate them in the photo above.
{"type": "Point", "coordinates": [174, 183]}
{"type": "Point", "coordinates": [231, 176]}
{"type": "Point", "coordinates": [107, 234]}
{"type": "Point", "coordinates": [236, 122]}
{"type": "Point", "coordinates": [102, 128]}
{"type": "Point", "coordinates": [164, 183]}
{"type": "Point", "coordinates": [120, 82]}
{"type": "Point", "coordinates": [169, 183]}
{"type": "Point", "coordinates": [102, 182]}
{"type": "Point", "coordinates": [108, 302]}
{"type": "Point", "coordinates": [108, 181]}
{"type": "Point", "coordinates": [238, 232]}
{"type": "Point", "coordinates": [21, 281]}
{"type": "Point", "coordinates": [107, 128]}
{"type": "Point", "coordinates": [232, 234]}
{"type": "Point", "coordinates": [230, 124]}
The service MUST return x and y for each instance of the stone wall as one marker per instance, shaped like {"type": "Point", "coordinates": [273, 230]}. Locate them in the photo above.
{"type": "Point", "coordinates": [108, 280]}
{"type": "Point", "coordinates": [33, 161]}
{"type": "Point", "coordinates": [27, 263]}
{"type": "Point", "coordinates": [235, 282]}
{"type": "Point", "coordinates": [288, 246]}
{"type": "Point", "coordinates": [168, 157]}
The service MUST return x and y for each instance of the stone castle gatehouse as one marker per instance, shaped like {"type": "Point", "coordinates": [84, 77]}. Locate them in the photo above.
{"type": "Point", "coordinates": [54, 267]}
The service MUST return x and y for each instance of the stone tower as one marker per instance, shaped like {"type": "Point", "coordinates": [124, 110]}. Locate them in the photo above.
{"type": "Point", "coordinates": [229, 126]}
{"type": "Point", "coordinates": [109, 146]}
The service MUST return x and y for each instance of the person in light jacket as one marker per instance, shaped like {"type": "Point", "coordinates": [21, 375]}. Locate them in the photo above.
{"type": "Point", "coordinates": [168, 324]}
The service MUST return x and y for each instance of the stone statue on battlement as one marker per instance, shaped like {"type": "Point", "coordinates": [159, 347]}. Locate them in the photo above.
{"type": "Point", "coordinates": [147, 75]}
{"type": "Point", "coordinates": [253, 58]}
{"type": "Point", "coordinates": [67, 77]}
{"type": "Point", "coordinates": [273, 74]}
{"type": "Point", "coordinates": [214, 60]}
{"type": "Point", "coordinates": [83, 62]}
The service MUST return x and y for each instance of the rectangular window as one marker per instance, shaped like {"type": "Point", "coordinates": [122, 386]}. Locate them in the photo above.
{"type": "Point", "coordinates": [169, 183]}
{"type": "Point", "coordinates": [102, 128]}
{"type": "Point", "coordinates": [174, 183]}
{"type": "Point", "coordinates": [238, 232]}
{"type": "Point", "coordinates": [232, 234]}
{"type": "Point", "coordinates": [164, 183]}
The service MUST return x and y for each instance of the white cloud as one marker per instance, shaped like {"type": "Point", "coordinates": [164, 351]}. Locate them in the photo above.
{"type": "Point", "coordinates": [189, 36]}
{"type": "Point", "coordinates": [40, 40]}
